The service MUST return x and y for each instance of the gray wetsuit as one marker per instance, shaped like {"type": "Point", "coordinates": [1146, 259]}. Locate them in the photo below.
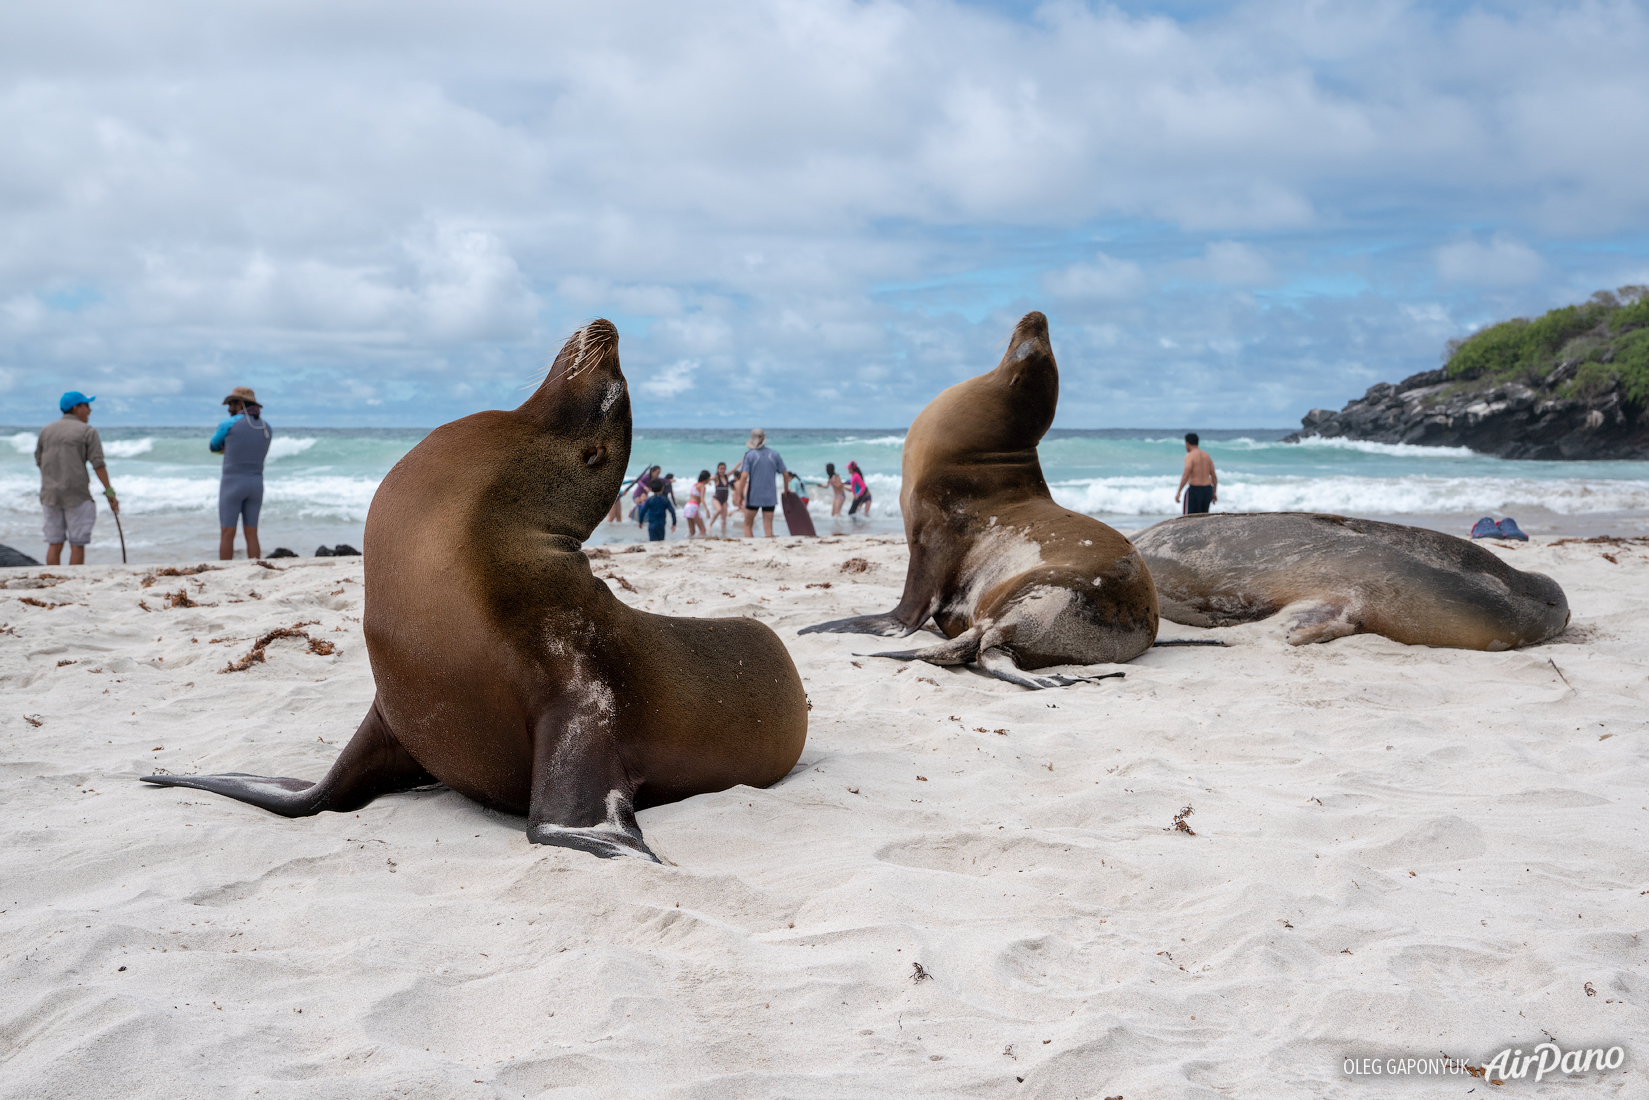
{"type": "Point", "coordinates": [244, 441]}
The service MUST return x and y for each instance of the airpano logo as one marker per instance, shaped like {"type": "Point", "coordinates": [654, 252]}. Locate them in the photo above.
{"type": "Point", "coordinates": [1511, 1064]}
{"type": "Point", "coordinates": [1550, 1058]}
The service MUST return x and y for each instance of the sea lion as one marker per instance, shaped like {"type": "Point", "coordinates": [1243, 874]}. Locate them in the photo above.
{"type": "Point", "coordinates": [1339, 576]}
{"type": "Point", "coordinates": [1014, 580]}
{"type": "Point", "coordinates": [507, 670]}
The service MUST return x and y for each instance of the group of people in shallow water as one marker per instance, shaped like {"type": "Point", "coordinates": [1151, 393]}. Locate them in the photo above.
{"type": "Point", "coordinates": [750, 489]}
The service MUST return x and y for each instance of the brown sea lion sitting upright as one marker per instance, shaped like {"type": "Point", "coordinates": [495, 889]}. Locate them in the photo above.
{"type": "Point", "coordinates": [1336, 575]}
{"type": "Point", "coordinates": [1013, 579]}
{"type": "Point", "coordinates": [506, 670]}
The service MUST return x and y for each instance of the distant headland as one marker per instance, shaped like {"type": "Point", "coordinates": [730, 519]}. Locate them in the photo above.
{"type": "Point", "coordinates": [1572, 384]}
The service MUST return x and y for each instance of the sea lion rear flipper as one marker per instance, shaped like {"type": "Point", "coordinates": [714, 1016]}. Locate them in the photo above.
{"type": "Point", "coordinates": [373, 763]}
{"type": "Point", "coordinates": [888, 625]}
{"type": "Point", "coordinates": [581, 797]}
{"type": "Point", "coordinates": [1000, 664]}
{"type": "Point", "coordinates": [956, 651]}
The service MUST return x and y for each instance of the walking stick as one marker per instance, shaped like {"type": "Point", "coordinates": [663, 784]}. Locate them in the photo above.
{"type": "Point", "coordinates": [122, 538]}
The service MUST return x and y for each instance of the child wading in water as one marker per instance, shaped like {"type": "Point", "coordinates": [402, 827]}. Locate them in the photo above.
{"type": "Point", "coordinates": [861, 491]}
{"type": "Point", "coordinates": [838, 491]}
{"type": "Point", "coordinates": [695, 509]}
{"type": "Point", "coordinates": [722, 493]}
{"type": "Point", "coordinates": [652, 511]}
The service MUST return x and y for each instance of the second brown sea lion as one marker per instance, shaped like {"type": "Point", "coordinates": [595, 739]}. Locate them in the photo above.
{"type": "Point", "coordinates": [1016, 581]}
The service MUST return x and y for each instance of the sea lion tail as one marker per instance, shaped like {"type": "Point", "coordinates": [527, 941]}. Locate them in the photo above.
{"type": "Point", "coordinates": [373, 763]}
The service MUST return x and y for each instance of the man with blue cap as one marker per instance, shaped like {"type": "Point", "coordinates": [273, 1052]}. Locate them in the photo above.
{"type": "Point", "coordinates": [62, 451]}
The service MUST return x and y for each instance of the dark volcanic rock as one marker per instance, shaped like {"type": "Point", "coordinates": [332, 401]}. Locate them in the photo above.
{"type": "Point", "coordinates": [10, 558]}
{"type": "Point", "coordinates": [1506, 419]}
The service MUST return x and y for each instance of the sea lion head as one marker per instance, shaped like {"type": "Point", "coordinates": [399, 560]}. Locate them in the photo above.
{"type": "Point", "coordinates": [1027, 385]}
{"type": "Point", "coordinates": [582, 446]}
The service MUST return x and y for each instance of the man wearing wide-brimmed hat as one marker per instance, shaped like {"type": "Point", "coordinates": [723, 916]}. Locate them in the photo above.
{"type": "Point", "coordinates": [761, 467]}
{"type": "Point", "coordinates": [243, 440]}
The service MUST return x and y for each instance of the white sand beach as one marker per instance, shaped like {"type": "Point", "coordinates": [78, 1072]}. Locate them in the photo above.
{"type": "Point", "coordinates": [964, 888]}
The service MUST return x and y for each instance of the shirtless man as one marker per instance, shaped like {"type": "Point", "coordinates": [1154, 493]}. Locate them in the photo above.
{"type": "Point", "coordinates": [1200, 476]}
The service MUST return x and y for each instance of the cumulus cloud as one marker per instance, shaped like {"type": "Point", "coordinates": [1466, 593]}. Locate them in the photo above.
{"type": "Point", "coordinates": [1101, 278]}
{"type": "Point", "coordinates": [1500, 262]}
{"type": "Point", "coordinates": [677, 378]}
{"type": "Point", "coordinates": [408, 204]}
{"type": "Point", "coordinates": [1230, 263]}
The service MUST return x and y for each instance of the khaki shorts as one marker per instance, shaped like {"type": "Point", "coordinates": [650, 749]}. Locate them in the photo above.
{"type": "Point", "coordinates": [75, 521]}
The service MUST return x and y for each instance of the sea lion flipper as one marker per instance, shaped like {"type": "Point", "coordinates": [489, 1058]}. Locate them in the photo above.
{"type": "Point", "coordinates": [955, 651]}
{"type": "Point", "coordinates": [888, 625]}
{"type": "Point", "coordinates": [373, 763]}
{"type": "Point", "coordinates": [581, 797]}
{"type": "Point", "coordinates": [1000, 663]}
{"type": "Point", "coordinates": [617, 834]}
{"type": "Point", "coordinates": [1320, 621]}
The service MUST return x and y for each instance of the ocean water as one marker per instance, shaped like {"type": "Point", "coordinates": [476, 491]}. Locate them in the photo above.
{"type": "Point", "coordinates": [320, 481]}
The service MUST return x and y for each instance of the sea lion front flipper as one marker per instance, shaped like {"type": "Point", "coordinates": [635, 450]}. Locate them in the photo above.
{"type": "Point", "coordinates": [581, 797]}
{"type": "Point", "coordinates": [1321, 621]}
{"type": "Point", "coordinates": [373, 763]}
{"type": "Point", "coordinates": [888, 625]}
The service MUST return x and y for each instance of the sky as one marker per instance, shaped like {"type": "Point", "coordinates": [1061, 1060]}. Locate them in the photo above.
{"type": "Point", "coordinates": [799, 214]}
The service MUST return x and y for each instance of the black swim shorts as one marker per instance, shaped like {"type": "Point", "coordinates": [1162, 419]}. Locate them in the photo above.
{"type": "Point", "coordinates": [1198, 498]}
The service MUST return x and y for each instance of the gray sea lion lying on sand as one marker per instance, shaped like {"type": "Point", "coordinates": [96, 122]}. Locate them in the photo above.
{"type": "Point", "coordinates": [1339, 576]}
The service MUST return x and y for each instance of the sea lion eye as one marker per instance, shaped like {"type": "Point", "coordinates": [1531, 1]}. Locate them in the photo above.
{"type": "Point", "coordinates": [596, 455]}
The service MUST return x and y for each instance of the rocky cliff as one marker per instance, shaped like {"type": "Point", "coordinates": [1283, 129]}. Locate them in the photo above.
{"type": "Point", "coordinates": [1566, 386]}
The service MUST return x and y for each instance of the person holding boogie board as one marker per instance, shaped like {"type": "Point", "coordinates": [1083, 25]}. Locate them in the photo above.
{"type": "Point", "coordinates": [760, 468]}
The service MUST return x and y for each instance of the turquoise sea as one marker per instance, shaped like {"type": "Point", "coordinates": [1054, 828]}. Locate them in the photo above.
{"type": "Point", "coordinates": [320, 482]}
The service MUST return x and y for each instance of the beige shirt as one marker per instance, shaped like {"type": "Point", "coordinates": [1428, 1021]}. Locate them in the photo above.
{"type": "Point", "coordinates": [63, 449]}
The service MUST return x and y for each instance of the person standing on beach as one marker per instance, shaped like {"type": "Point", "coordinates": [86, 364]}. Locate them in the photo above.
{"type": "Point", "coordinates": [761, 467]}
{"type": "Point", "coordinates": [243, 440]}
{"type": "Point", "coordinates": [61, 451]}
{"type": "Point", "coordinates": [652, 511]}
{"type": "Point", "coordinates": [1199, 482]}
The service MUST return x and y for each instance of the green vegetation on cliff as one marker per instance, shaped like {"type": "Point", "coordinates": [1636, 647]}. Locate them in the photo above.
{"type": "Point", "coordinates": [1608, 337]}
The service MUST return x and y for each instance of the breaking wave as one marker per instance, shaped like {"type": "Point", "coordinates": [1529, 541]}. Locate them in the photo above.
{"type": "Point", "coordinates": [1412, 495]}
